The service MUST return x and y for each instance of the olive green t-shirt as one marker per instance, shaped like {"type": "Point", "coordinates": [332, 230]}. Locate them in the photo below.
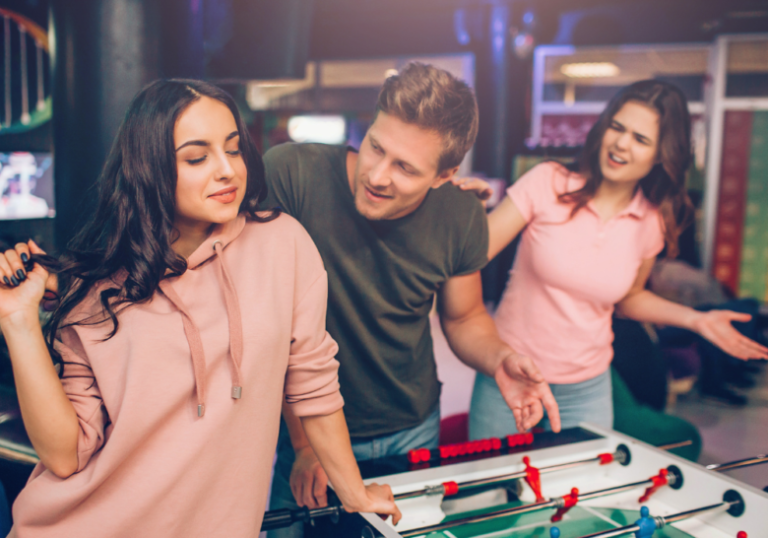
{"type": "Point", "coordinates": [382, 278]}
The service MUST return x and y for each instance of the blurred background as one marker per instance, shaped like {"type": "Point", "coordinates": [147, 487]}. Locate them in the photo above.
{"type": "Point", "coordinates": [310, 70]}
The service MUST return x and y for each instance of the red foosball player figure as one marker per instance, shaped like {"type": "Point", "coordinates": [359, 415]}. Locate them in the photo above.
{"type": "Point", "coordinates": [533, 478]}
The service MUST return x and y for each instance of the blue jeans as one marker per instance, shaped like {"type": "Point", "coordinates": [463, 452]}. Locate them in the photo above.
{"type": "Point", "coordinates": [425, 435]}
{"type": "Point", "coordinates": [588, 401]}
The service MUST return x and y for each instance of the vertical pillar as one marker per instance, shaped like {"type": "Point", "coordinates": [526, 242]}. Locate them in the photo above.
{"type": "Point", "coordinates": [103, 52]}
{"type": "Point", "coordinates": [491, 87]}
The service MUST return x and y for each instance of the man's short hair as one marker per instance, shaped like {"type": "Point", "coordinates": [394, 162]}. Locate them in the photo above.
{"type": "Point", "coordinates": [435, 100]}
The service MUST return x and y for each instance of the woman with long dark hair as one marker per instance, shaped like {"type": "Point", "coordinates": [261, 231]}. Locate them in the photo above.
{"type": "Point", "coordinates": [184, 317]}
{"type": "Point", "coordinates": [590, 234]}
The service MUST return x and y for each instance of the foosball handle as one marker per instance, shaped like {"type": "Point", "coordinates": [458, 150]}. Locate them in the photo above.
{"type": "Point", "coordinates": [533, 478]}
{"type": "Point", "coordinates": [646, 524]}
{"type": "Point", "coordinates": [569, 501]}
{"type": "Point", "coordinates": [658, 481]}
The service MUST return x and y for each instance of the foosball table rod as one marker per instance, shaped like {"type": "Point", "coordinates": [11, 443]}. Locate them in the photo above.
{"type": "Point", "coordinates": [647, 525]}
{"type": "Point", "coordinates": [447, 489]}
{"type": "Point", "coordinates": [747, 462]}
{"type": "Point", "coordinates": [670, 476]}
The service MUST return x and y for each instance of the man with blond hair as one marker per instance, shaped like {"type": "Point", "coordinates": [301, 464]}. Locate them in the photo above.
{"type": "Point", "coordinates": [392, 236]}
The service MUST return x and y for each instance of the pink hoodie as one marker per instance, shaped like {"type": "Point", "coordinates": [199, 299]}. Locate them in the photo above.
{"type": "Point", "coordinates": [179, 411]}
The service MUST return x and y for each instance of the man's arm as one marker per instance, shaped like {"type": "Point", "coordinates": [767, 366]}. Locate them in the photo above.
{"type": "Point", "coordinates": [473, 337]}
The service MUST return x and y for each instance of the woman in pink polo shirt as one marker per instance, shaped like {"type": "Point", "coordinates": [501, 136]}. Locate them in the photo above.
{"type": "Point", "coordinates": [590, 235]}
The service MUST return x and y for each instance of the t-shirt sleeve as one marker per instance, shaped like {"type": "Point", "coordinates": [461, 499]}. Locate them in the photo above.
{"type": "Point", "coordinates": [312, 381]}
{"type": "Point", "coordinates": [82, 390]}
{"type": "Point", "coordinates": [474, 252]}
{"type": "Point", "coordinates": [281, 171]}
{"type": "Point", "coordinates": [533, 190]}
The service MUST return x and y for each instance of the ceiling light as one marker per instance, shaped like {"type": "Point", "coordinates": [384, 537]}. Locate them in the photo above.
{"type": "Point", "coordinates": [590, 70]}
{"type": "Point", "coordinates": [320, 129]}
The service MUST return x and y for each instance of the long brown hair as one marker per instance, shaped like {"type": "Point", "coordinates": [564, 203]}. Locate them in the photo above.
{"type": "Point", "coordinates": [664, 186]}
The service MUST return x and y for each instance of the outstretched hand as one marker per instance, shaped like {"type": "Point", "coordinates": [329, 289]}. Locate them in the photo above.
{"type": "Point", "coordinates": [22, 290]}
{"type": "Point", "coordinates": [526, 393]}
{"type": "Point", "coordinates": [716, 326]}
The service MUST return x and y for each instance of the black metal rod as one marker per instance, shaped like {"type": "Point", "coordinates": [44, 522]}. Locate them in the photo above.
{"type": "Point", "coordinates": [551, 503]}
{"type": "Point", "coordinates": [502, 478]}
{"type": "Point", "coordinates": [672, 446]}
{"type": "Point", "coordinates": [660, 521]}
{"type": "Point", "coordinates": [748, 462]}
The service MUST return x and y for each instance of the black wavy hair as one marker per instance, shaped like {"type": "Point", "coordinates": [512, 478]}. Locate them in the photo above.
{"type": "Point", "coordinates": [128, 238]}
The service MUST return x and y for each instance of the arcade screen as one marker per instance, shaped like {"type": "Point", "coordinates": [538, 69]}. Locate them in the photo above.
{"type": "Point", "coordinates": [26, 185]}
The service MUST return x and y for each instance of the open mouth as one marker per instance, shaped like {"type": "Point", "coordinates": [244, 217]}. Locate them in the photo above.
{"type": "Point", "coordinates": [375, 196]}
{"type": "Point", "coordinates": [616, 159]}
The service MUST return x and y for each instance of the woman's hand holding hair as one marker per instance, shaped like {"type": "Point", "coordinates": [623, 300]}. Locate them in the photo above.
{"type": "Point", "coordinates": [20, 290]}
{"type": "Point", "coordinates": [48, 414]}
{"type": "Point", "coordinates": [716, 326]}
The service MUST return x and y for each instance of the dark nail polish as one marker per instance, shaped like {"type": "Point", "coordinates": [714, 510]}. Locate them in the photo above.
{"type": "Point", "coordinates": [7, 282]}
{"type": "Point", "coordinates": [15, 282]}
{"type": "Point", "coordinates": [21, 275]}
{"type": "Point", "coordinates": [24, 257]}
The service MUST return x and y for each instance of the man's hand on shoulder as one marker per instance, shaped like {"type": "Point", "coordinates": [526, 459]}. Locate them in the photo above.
{"type": "Point", "coordinates": [309, 483]}
{"type": "Point", "coordinates": [525, 391]}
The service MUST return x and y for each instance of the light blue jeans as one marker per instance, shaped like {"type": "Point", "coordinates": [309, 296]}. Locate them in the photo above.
{"type": "Point", "coordinates": [588, 401]}
{"type": "Point", "coordinates": [425, 435]}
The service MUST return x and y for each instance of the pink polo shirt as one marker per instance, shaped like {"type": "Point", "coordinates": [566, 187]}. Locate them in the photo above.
{"type": "Point", "coordinates": [569, 274]}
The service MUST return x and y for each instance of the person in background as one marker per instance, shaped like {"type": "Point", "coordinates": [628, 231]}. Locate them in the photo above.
{"type": "Point", "coordinates": [184, 317]}
{"type": "Point", "coordinates": [590, 235]}
{"type": "Point", "coordinates": [393, 237]}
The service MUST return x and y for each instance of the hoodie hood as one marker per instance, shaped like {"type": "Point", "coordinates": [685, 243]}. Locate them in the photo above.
{"type": "Point", "coordinates": [213, 247]}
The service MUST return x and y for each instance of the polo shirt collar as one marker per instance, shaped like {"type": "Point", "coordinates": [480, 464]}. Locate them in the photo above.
{"type": "Point", "coordinates": [638, 207]}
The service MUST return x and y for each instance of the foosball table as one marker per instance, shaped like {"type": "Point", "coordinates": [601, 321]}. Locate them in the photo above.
{"type": "Point", "coordinates": [584, 482]}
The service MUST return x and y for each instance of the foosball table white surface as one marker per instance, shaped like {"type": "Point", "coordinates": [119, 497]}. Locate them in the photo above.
{"type": "Point", "coordinates": [700, 487]}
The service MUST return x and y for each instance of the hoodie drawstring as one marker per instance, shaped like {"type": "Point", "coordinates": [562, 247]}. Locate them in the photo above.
{"type": "Point", "coordinates": [193, 333]}
{"type": "Point", "coordinates": [233, 315]}
{"type": "Point", "coordinates": [194, 341]}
